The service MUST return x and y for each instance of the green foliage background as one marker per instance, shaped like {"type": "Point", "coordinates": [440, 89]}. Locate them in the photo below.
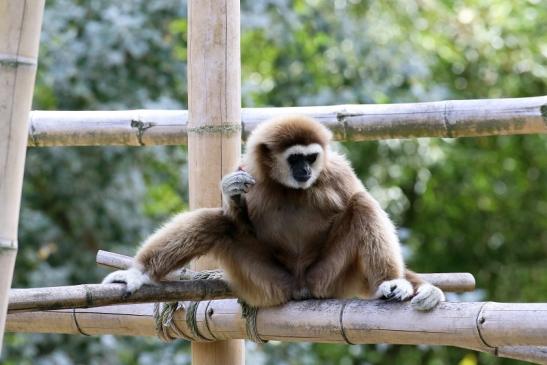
{"type": "Point", "coordinates": [472, 204]}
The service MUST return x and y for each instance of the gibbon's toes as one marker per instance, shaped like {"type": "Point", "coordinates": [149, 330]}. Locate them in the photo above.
{"type": "Point", "coordinates": [427, 297]}
{"type": "Point", "coordinates": [395, 290]}
{"type": "Point", "coordinates": [237, 183]}
{"type": "Point", "coordinates": [132, 278]}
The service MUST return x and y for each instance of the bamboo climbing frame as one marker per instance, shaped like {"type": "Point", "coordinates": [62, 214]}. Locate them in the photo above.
{"type": "Point", "coordinates": [513, 330]}
{"type": "Point", "coordinates": [20, 23]}
{"type": "Point", "coordinates": [454, 118]}
{"type": "Point", "coordinates": [213, 128]}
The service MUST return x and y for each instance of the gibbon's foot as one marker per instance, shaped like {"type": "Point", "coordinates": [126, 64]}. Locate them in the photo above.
{"type": "Point", "coordinates": [427, 297]}
{"type": "Point", "coordinates": [396, 289]}
{"type": "Point", "coordinates": [237, 183]}
{"type": "Point", "coordinates": [132, 278]}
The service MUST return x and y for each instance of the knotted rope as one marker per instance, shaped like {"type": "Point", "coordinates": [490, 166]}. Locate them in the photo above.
{"type": "Point", "coordinates": [167, 329]}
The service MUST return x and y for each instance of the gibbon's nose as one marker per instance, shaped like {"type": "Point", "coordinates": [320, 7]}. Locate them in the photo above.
{"type": "Point", "coordinates": [302, 174]}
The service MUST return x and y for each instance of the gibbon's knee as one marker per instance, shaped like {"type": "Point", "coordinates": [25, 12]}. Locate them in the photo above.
{"type": "Point", "coordinates": [186, 236]}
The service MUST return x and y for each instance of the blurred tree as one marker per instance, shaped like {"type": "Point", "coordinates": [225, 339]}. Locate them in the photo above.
{"type": "Point", "coordinates": [468, 204]}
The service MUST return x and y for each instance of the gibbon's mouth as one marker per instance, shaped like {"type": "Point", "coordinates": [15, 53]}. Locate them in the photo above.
{"type": "Point", "coordinates": [302, 178]}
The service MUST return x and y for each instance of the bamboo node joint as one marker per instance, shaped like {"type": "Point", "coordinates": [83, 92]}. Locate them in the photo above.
{"type": "Point", "coordinates": [544, 112]}
{"type": "Point", "coordinates": [6, 244]}
{"type": "Point", "coordinates": [16, 60]}
{"type": "Point", "coordinates": [141, 128]}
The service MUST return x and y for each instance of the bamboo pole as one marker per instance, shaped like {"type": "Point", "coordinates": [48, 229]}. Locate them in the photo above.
{"type": "Point", "coordinates": [214, 127]}
{"type": "Point", "coordinates": [20, 23]}
{"type": "Point", "coordinates": [96, 295]}
{"type": "Point", "coordinates": [513, 330]}
{"type": "Point", "coordinates": [452, 282]}
{"type": "Point", "coordinates": [453, 118]}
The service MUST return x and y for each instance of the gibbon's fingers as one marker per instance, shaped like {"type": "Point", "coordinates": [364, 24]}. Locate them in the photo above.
{"type": "Point", "coordinates": [427, 297]}
{"type": "Point", "coordinates": [132, 278]}
{"type": "Point", "coordinates": [396, 289]}
{"type": "Point", "coordinates": [237, 183]}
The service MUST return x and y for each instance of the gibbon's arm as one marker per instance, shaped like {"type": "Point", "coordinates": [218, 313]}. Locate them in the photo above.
{"type": "Point", "coordinates": [186, 236]}
{"type": "Point", "coordinates": [365, 232]}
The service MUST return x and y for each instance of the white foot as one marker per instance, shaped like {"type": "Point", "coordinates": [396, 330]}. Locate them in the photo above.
{"type": "Point", "coordinates": [133, 279]}
{"type": "Point", "coordinates": [397, 289]}
{"type": "Point", "coordinates": [427, 297]}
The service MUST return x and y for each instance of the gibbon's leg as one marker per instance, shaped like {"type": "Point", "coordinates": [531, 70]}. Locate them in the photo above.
{"type": "Point", "coordinates": [365, 232]}
{"type": "Point", "coordinates": [252, 273]}
{"type": "Point", "coordinates": [184, 237]}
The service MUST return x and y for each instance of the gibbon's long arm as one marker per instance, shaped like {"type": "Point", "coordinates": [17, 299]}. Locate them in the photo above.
{"type": "Point", "coordinates": [184, 237]}
{"type": "Point", "coordinates": [364, 231]}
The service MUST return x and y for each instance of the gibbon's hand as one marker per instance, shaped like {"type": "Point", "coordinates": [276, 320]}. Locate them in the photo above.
{"type": "Point", "coordinates": [427, 297]}
{"type": "Point", "coordinates": [237, 183]}
{"type": "Point", "coordinates": [395, 290]}
{"type": "Point", "coordinates": [132, 278]}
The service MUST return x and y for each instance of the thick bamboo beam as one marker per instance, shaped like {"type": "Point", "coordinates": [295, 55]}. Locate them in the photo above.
{"type": "Point", "coordinates": [20, 23]}
{"type": "Point", "coordinates": [96, 295]}
{"type": "Point", "coordinates": [513, 330]}
{"type": "Point", "coordinates": [214, 127]}
{"type": "Point", "coordinates": [454, 118]}
{"type": "Point", "coordinates": [451, 282]}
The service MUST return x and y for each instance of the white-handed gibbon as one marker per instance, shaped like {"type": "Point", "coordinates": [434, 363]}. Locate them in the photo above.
{"type": "Point", "coordinates": [296, 223]}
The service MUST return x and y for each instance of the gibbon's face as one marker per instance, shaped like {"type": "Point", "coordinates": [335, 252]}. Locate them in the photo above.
{"type": "Point", "coordinates": [299, 166]}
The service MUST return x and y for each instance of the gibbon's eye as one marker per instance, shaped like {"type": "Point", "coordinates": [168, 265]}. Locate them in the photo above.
{"type": "Point", "coordinates": [293, 159]}
{"type": "Point", "coordinates": [311, 158]}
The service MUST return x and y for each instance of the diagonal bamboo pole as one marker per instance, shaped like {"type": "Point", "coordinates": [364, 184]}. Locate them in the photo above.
{"type": "Point", "coordinates": [514, 330]}
{"type": "Point", "coordinates": [452, 282]}
{"type": "Point", "coordinates": [214, 127]}
{"type": "Point", "coordinates": [96, 295]}
{"type": "Point", "coordinates": [452, 118]}
{"type": "Point", "coordinates": [20, 22]}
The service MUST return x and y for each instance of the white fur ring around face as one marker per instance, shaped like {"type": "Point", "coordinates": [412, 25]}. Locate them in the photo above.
{"type": "Point", "coordinates": [397, 289]}
{"type": "Point", "coordinates": [427, 297]}
{"type": "Point", "coordinates": [133, 279]}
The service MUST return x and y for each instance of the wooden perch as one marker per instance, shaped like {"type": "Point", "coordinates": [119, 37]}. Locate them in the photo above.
{"type": "Point", "coordinates": [454, 118]}
{"type": "Point", "coordinates": [451, 282]}
{"type": "Point", "coordinates": [513, 330]}
{"type": "Point", "coordinates": [95, 295]}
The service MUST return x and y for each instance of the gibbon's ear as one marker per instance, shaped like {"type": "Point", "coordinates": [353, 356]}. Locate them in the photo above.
{"type": "Point", "coordinates": [265, 153]}
{"type": "Point", "coordinates": [264, 149]}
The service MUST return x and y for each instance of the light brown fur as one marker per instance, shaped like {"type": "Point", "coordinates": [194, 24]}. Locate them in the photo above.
{"type": "Point", "coordinates": [275, 243]}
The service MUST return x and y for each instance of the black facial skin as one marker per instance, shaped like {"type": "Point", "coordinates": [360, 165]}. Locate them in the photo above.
{"type": "Point", "coordinates": [301, 166]}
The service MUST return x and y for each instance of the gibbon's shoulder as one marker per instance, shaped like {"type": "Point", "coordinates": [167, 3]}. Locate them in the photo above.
{"type": "Point", "coordinates": [339, 174]}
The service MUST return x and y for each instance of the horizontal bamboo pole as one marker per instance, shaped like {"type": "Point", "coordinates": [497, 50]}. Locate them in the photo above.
{"type": "Point", "coordinates": [513, 330]}
{"type": "Point", "coordinates": [454, 118]}
{"type": "Point", "coordinates": [451, 282]}
{"type": "Point", "coordinates": [95, 295]}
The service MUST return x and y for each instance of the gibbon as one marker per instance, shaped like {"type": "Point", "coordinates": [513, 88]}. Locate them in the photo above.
{"type": "Point", "coordinates": [296, 223]}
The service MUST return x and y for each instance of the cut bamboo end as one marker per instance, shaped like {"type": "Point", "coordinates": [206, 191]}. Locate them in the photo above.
{"type": "Point", "coordinates": [450, 282]}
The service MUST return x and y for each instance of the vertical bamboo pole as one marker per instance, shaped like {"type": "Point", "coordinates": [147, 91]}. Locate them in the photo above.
{"type": "Point", "coordinates": [214, 127]}
{"type": "Point", "coordinates": [20, 23]}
